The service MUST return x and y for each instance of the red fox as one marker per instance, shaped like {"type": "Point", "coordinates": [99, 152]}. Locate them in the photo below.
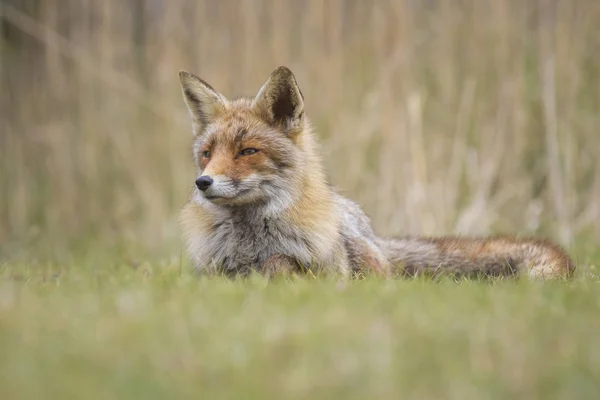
{"type": "Point", "coordinates": [262, 203]}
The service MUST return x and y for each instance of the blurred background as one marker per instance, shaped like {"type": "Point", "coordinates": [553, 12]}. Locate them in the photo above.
{"type": "Point", "coordinates": [437, 116]}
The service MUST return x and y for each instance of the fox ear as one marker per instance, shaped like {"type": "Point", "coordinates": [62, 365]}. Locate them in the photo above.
{"type": "Point", "coordinates": [204, 103]}
{"type": "Point", "coordinates": [280, 101]}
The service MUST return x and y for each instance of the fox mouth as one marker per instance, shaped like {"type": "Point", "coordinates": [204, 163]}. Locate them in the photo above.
{"type": "Point", "coordinates": [212, 197]}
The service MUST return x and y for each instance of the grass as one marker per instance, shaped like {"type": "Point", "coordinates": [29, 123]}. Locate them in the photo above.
{"type": "Point", "coordinates": [158, 331]}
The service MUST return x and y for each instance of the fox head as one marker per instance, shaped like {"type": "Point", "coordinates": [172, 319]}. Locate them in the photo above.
{"type": "Point", "coordinates": [246, 150]}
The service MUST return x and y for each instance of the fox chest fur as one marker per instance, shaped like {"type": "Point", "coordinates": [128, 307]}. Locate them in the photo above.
{"type": "Point", "coordinates": [237, 242]}
{"type": "Point", "coordinates": [240, 242]}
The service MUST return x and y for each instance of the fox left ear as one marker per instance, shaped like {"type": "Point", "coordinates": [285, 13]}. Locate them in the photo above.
{"type": "Point", "coordinates": [280, 101]}
{"type": "Point", "coordinates": [204, 103]}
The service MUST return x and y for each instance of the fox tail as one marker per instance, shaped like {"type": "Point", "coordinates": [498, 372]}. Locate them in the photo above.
{"type": "Point", "coordinates": [491, 256]}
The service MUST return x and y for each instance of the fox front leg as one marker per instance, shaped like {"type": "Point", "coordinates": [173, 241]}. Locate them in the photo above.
{"type": "Point", "coordinates": [279, 266]}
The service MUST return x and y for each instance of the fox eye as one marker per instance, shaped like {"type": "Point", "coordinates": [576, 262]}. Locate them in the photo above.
{"type": "Point", "coordinates": [249, 151]}
{"type": "Point", "coordinates": [206, 154]}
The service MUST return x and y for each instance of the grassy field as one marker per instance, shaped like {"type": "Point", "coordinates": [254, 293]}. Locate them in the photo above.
{"type": "Point", "coordinates": [158, 331]}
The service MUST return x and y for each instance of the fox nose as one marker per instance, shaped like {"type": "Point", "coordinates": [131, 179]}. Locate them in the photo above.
{"type": "Point", "coordinates": [204, 182]}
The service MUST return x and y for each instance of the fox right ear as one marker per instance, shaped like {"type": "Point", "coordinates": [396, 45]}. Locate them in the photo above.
{"type": "Point", "coordinates": [280, 101]}
{"type": "Point", "coordinates": [204, 103]}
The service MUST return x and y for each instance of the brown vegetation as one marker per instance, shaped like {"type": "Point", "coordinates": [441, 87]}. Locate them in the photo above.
{"type": "Point", "coordinates": [437, 116]}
